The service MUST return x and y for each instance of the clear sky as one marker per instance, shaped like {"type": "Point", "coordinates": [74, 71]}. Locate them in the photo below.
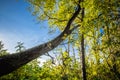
{"type": "Point", "coordinates": [17, 24]}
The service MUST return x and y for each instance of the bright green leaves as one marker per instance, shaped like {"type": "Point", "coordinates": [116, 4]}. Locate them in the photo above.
{"type": "Point", "coordinates": [56, 12]}
{"type": "Point", "coordinates": [99, 12]}
{"type": "Point", "coordinates": [101, 47]}
{"type": "Point", "coordinates": [62, 14]}
{"type": "Point", "coordinates": [42, 9]}
{"type": "Point", "coordinates": [91, 12]}
{"type": "Point", "coordinates": [49, 6]}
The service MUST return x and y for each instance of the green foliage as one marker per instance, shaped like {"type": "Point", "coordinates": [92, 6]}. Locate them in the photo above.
{"type": "Point", "coordinates": [101, 28]}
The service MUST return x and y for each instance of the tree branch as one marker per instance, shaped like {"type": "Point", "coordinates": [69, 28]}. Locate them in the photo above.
{"type": "Point", "coordinates": [52, 58]}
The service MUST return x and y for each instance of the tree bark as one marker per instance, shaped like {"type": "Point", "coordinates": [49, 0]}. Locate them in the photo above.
{"type": "Point", "coordinates": [11, 62]}
{"type": "Point", "coordinates": [83, 58]}
{"type": "Point", "coordinates": [83, 51]}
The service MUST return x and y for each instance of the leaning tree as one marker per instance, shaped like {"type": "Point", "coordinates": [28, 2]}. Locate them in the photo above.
{"type": "Point", "coordinates": [11, 62]}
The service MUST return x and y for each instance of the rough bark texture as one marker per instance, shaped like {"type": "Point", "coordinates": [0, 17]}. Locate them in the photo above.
{"type": "Point", "coordinates": [11, 62]}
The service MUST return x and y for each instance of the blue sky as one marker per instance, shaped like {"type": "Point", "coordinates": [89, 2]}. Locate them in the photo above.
{"type": "Point", "coordinates": [17, 24]}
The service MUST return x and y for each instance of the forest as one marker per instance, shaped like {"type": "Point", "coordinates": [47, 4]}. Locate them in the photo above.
{"type": "Point", "coordinates": [88, 47]}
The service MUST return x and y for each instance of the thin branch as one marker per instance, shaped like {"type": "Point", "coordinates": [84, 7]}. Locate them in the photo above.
{"type": "Point", "coordinates": [52, 58]}
{"type": "Point", "coordinates": [54, 18]}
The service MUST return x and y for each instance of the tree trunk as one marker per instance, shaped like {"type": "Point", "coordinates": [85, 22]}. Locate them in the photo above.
{"type": "Point", "coordinates": [83, 58]}
{"type": "Point", "coordinates": [83, 51]}
{"type": "Point", "coordinates": [11, 62]}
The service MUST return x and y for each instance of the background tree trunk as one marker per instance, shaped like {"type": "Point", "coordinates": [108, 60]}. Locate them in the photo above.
{"type": "Point", "coordinates": [83, 58]}
{"type": "Point", "coordinates": [83, 51]}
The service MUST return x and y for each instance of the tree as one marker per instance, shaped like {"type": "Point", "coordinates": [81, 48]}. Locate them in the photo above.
{"type": "Point", "coordinates": [19, 47]}
{"type": "Point", "coordinates": [11, 62]}
{"type": "Point", "coordinates": [2, 50]}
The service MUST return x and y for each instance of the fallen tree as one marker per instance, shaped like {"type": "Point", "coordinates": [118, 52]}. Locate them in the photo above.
{"type": "Point", "coordinates": [11, 62]}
